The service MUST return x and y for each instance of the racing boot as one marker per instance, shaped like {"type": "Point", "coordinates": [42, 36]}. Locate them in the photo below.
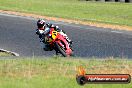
{"type": "Point", "coordinates": [68, 40]}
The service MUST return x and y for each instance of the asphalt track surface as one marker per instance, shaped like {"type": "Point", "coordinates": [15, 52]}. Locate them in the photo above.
{"type": "Point", "coordinates": [17, 34]}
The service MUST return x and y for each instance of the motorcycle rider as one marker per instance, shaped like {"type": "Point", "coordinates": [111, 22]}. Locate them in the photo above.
{"type": "Point", "coordinates": [44, 28]}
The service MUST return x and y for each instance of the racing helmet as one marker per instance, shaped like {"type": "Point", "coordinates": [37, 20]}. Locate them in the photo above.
{"type": "Point", "coordinates": [41, 23]}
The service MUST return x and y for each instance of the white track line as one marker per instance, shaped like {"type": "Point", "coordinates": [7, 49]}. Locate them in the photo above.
{"type": "Point", "coordinates": [117, 32]}
{"type": "Point", "coordinates": [13, 53]}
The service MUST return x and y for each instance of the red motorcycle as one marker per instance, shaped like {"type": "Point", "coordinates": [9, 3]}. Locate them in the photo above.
{"type": "Point", "coordinates": [59, 43]}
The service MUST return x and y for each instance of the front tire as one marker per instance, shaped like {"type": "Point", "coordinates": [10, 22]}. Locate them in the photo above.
{"type": "Point", "coordinates": [60, 49]}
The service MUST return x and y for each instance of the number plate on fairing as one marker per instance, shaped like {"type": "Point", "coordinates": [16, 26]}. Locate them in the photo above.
{"type": "Point", "coordinates": [52, 37]}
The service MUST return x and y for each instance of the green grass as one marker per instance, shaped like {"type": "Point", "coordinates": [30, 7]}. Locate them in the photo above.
{"type": "Point", "coordinates": [56, 72]}
{"type": "Point", "coordinates": [5, 54]}
{"type": "Point", "coordinates": [113, 13]}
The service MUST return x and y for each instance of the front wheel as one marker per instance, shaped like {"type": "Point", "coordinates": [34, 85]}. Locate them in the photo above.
{"type": "Point", "coordinates": [60, 49]}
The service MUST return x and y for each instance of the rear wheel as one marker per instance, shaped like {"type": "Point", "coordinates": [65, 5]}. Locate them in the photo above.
{"type": "Point", "coordinates": [60, 49]}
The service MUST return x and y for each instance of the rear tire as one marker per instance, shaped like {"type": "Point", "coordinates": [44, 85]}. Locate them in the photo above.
{"type": "Point", "coordinates": [60, 49]}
